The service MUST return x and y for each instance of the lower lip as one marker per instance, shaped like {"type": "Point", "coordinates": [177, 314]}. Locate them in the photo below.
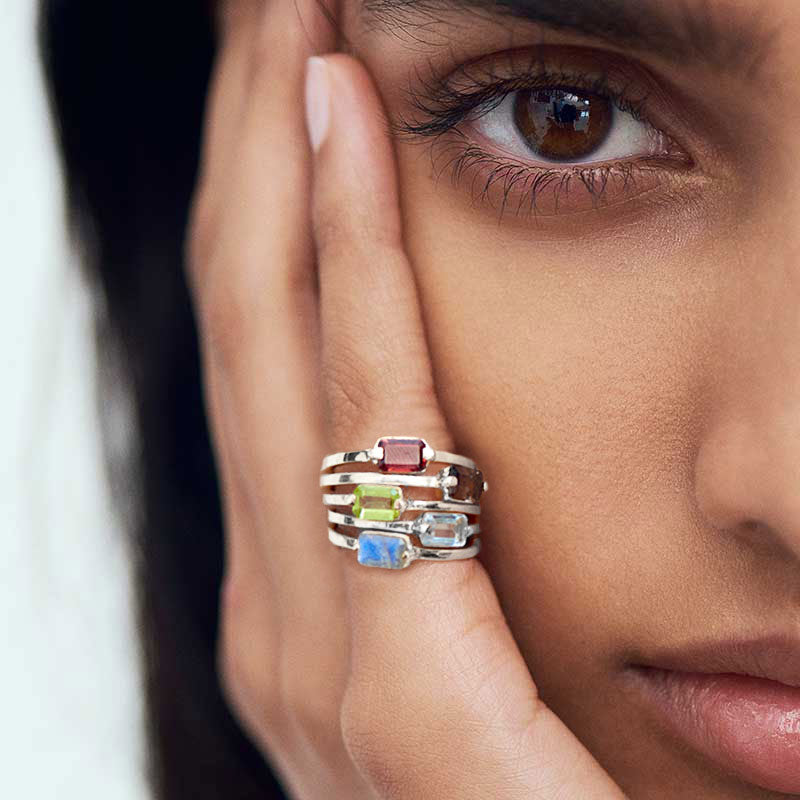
{"type": "Point", "coordinates": [748, 726]}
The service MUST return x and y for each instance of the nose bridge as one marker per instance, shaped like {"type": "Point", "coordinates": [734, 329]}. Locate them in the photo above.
{"type": "Point", "coordinates": [748, 462]}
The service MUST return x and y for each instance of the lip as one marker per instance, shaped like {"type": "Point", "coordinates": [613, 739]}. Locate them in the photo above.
{"type": "Point", "coordinates": [736, 702]}
{"type": "Point", "coordinates": [776, 658]}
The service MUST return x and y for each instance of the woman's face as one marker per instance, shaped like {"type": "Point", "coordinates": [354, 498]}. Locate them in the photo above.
{"type": "Point", "coordinates": [609, 269]}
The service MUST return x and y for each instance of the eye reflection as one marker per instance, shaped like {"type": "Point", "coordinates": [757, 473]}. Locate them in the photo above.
{"type": "Point", "coordinates": [560, 125]}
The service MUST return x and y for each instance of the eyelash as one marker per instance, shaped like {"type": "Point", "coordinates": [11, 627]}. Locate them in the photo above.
{"type": "Point", "coordinates": [443, 107]}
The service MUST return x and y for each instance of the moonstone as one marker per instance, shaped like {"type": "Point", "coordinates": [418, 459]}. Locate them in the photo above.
{"type": "Point", "coordinates": [382, 550]}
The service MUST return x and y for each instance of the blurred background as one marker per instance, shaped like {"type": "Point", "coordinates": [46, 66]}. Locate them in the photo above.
{"type": "Point", "coordinates": [71, 723]}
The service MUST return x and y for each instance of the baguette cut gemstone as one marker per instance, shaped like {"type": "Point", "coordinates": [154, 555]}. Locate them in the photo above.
{"type": "Point", "coordinates": [383, 550]}
{"type": "Point", "coordinates": [377, 503]}
{"type": "Point", "coordinates": [402, 455]}
{"type": "Point", "coordinates": [441, 530]}
{"type": "Point", "coordinates": [469, 486]}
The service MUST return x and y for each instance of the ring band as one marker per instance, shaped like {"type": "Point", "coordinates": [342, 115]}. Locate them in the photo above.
{"type": "Point", "coordinates": [397, 454]}
{"type": "Point", "coordinates": [396, 550]}
{"type": "Point", "coordinates": [452, 485]}
{"type": "Point", "coordinates": [445, 530]}
{"type": "Point", "coordinates": [408, 505]}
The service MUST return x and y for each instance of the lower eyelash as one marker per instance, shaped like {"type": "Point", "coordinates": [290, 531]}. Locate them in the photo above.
{"type": "Point", "coordinates": [535, 180]}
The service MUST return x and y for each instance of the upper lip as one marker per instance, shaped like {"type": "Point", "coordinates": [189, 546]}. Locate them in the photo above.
{"type": "Point", "coordinates": [775, 657]}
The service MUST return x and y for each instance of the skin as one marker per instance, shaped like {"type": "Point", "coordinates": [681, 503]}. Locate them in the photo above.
{"type": "Point", "coordinates": [627, 377]}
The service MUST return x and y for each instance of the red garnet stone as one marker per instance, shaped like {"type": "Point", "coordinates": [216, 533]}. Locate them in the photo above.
{"type": "Point", "coordinates": [402, 455]}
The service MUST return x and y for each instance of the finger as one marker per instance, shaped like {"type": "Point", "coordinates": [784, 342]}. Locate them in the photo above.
{"type": "Point", "coordinates": [237, 511]}
{"type": "Point", "coordinates": [248, 624]}
{"type": "Point", "coordinates": [247, 643]}
{"type": "Point", "coordinates": [236, 28]}
{"type": "Point", "coordinates": [255, 295]}
{"type": "Point", "coordinates": [254, 289]}
{"type": "Point", "coordinates": [439, 695]}
{"type": "Point", "coordinates": [235, 24]}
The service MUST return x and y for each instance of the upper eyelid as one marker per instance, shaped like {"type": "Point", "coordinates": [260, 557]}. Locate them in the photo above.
{"type": "Point", "coordinates": [442, 104]}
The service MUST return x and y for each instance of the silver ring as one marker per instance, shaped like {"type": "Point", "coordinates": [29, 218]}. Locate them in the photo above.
{"type": "Point", "coordinates": [420, 481]}
{"type": "Point", "coordinates": [397, 454]}
{"type": "Point", "coordinates": [444, 480]}
{"type": "Point", "coordinates": [434, 530]}
{"type": "Point", "coordinates": [396, 550]}
{"type": "Point", "coordinates": [407, 505]}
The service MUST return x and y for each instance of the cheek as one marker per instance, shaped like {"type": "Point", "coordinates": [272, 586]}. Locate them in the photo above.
{"type": "Point", "coordinates": [574, 380]}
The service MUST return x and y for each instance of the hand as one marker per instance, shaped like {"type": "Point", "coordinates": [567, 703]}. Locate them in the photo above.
{"type": "Point", "coordinates": [355, 682]}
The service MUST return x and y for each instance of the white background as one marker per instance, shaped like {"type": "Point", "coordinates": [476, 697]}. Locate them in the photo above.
{"type": "Point", "coordinates": [70, 707]}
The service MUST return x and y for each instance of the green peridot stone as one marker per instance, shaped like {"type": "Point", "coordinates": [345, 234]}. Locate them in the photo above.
{"type": "Point", "coordinates": [377, 503]}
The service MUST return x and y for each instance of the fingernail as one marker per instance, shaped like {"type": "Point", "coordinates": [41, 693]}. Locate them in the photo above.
{"type": "Point", "coordinates": [318, 113]}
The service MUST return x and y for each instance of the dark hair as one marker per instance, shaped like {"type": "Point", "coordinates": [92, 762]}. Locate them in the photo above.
{"type": "Point", "coordinates": [128, 84]}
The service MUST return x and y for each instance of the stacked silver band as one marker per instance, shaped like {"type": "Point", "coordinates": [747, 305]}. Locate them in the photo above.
{"type": "Point", "coordinates": [442, 527]}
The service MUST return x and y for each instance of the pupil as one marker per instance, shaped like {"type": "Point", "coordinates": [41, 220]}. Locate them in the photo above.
{"type": "Point", "coordinates": [560, 125]}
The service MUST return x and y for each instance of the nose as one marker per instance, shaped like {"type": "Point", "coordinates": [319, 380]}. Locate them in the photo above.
{"type": "Point", "coordinates": [747, 469]}
{"type": "Point", "coordinates": [748, 473]}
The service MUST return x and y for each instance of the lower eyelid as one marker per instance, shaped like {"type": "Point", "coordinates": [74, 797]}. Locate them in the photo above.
{"type": "Point", "coordinates": [529, 192]}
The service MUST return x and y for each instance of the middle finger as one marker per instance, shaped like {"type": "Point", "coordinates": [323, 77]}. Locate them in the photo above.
{"type": "Point", "coordinates": [257, 303]}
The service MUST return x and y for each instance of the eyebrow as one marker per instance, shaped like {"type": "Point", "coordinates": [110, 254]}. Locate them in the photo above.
{"type": "Point", "coordinates": [681, 31]}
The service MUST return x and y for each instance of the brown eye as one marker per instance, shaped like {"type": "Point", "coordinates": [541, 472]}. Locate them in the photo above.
{"type": "Point", "coordinates": [560, 125]}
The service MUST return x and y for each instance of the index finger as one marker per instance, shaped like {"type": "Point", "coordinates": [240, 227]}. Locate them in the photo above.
{"type": "Point", "coordinates": [438, 692]}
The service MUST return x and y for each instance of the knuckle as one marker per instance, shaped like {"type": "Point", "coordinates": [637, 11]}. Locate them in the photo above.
{"type": "Point", "coordinates": [233, 15]}
{"type": "Point", "coordinates": [270, 55]}
{"type": "Point", "coordinates": [246, 667]}
{"type": "Point", "coordinates": [361, 391]}
{"type": "Point", "coordinates": [262, 61]}
{"type": "Point", "coordinates": [364, 729]}
{"type": "Point", "coordinates": [375, 740]}
{"type": "Point", "coordinates": [314, 714]}
{"type": "Point", "coordinates": [332, 233]}
{"type": "Point", "coordinates": [349, 394]}
{"type": "Point", "coordinates": [245, 689]}
{"type": "Point", "coordinates": [224, 322]}
{"type": "Point", "coordinates": [342, 233]}
{"type": "Point", "coordinates": [234, 293]}
{"type": "Point", "coordinates": [386, 722]}
{"type": "Point", "coordinates": [229, 309]}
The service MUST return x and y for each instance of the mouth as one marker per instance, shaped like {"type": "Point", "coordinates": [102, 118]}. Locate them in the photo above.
{"type": "Point", "coordinates": [736, 702]}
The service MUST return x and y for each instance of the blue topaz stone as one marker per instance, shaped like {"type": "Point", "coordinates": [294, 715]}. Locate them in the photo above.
{"type": "Point", "coordinates": [441, 530]}
{"type": "Point", "coordinates": [385, 550]}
